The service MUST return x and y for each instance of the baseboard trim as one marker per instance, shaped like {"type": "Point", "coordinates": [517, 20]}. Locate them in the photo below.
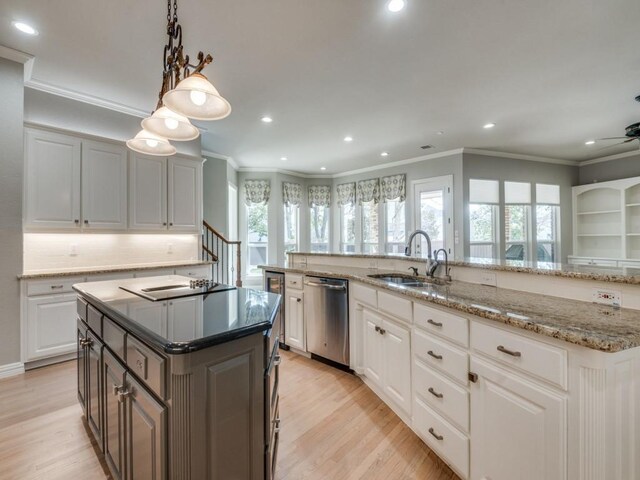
{"type": "Point", "coordinates": [11, 369]}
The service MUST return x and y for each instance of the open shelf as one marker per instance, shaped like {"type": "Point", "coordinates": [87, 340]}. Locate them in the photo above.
{"type": "Point", "coordinates": [600, 234]}
{"type": "Point", "coordinates": [601, 212]}
{"type": "Point", "coordinates": [633, 205]}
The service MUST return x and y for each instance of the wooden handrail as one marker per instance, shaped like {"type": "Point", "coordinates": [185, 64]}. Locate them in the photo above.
{"type": "Point", "coordinates": [213, 255]}
{"type": "Point", "coordinates": [218, 255]}
{"type": "Point", "coordinates": [219, 235]}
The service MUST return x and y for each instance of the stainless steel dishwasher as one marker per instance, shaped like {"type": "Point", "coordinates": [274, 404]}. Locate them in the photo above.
{"type": "Point", "coordinates": [326, 311]}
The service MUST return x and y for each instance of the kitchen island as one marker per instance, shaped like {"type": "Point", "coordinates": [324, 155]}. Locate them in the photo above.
{"type": "Point", "coordinates": [179, 380]}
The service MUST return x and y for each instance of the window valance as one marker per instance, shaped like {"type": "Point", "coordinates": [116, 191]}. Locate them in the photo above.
{"type": "Point", "coordinates": [368, 191]}
{"type": "Point", "coordinates": [394, 188]}
{"type": "Point", "coordinates": [346, 194]}
{"type": "Point", "coordinates": [257, 191]}
{"type": "Point", "coordinates": [291, 193]}
{"type": "Point", "coordinates": [319, 195]}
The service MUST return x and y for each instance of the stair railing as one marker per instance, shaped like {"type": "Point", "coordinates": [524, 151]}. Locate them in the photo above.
{"type": "Point", "coordinates": [219, 250]}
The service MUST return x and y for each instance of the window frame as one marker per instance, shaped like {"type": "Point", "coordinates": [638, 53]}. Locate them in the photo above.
{"type": "Point", "coordinates": [247, 269]}
{"type": "Point", "coordinates": [327, 212]}
{"type": "Point", "coordinates": [296, 245]}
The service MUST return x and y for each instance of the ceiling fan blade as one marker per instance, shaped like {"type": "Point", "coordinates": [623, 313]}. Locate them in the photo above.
{"type": "Point", "coordinates": [612, 145]}
{"type": "Point", "coordinates": [611, 138]}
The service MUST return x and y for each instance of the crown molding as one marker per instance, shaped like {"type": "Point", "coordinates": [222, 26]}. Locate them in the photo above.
{"type": "Point", "coordinates": [281, 171]}
{"type": "Point", "coordinates": [518, 156]}
{"type": "Point", "coordinates": [609, 158]}
{"type": "Point", "coordinates": [20, 57]}
{"type": "Point", "coordinates": [219, 156]}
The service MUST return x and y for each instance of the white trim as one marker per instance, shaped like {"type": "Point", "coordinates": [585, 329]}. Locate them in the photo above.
{"type": "Point", "coordinates": [608, 158]}
{"type": "Point", "coordinates": [517, 156]}
{"type": "Point", "coordinates": [21, 57]}
{"type": "Point", "coordinates": [226, 158]}
{"type": "Point", "coordinates": [11, 369]}
{"type": "Point", "coordinates": [85, 98]}
{"type": "Point", "coordinates": [281, 171]}
{"type": "Point", "coordinates": [399, 163]}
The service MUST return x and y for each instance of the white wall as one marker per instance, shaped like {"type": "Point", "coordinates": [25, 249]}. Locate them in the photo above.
{"type": "Point", "coordinates": [11, 178]}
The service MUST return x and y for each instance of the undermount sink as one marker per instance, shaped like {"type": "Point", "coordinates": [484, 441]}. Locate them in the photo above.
{"type": "Point", "coordinates": [406, 280]}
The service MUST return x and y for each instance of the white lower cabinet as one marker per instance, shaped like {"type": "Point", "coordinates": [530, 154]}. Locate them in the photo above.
{"type": "Point", "coordinates": [387, 357]}
{"type": "Point", "coordinates": [294, 320]}
{"type": "Point", "coordinates": [519, 429]}
{"type": "Point", "coordinates": [51, 329]}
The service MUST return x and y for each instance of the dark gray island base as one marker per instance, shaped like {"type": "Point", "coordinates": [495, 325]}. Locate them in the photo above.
{"type": "Point", "coordinates": [184, 388]}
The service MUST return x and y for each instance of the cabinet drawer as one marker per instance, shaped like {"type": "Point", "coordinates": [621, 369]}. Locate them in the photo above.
{"type": "Point", "coordinates": [293, 281]}
{"type": "Point", "coordinates": [81, 308]}
{"type": "Point", "coordinates": [49, 286]}
{"type": "Point", "coordinates": [540, 359]}
{"type": "Point", "coordinates": [445, 324]}
{"type": "Point", "coordinates": [114, 337]}
{"type": "Point", "coordinates": [200, 271]}
{"type": "Point", "coordinates": [442, 437]}
{"type": "Point", "coordinates": [442, 394]}
{"type": "Point", "coordinates": [364, 294]}
{"type": "Point", "coordinates": [441, 355]}
{"type": "Point", "coordinates": [94, 319]}
{"type": "Point", "coordinates": [146, 365]}
{"type": "Point", "coordinates": [398, 307]}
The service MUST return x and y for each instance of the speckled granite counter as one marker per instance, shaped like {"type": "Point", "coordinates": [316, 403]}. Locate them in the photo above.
{"type": "Point", "coordinates": [100, 270]}
{"type": "Point", "coordinates": [587, 324]}
{"type": "Point", "coordinates": [580, 272]}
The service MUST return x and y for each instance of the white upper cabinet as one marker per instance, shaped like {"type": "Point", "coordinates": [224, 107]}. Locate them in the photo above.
{"type": "Point", "coordinates": [52, 190]}
{"type": "Point", "coordinates": [185, 193]}
{"type": "Point", "coordinates": [148, 192]}
{"type": "Point", "coordinates": [104, 186]}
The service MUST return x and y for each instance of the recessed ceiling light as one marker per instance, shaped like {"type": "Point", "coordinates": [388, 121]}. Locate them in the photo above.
{"type": "Point", "coordinates": [384, 154]}
{"type": "Point", "coordinates": [489, 125]}
{"type": "Point", "coordinates": [589, 142]}
{"type": "Point", "coordinates": [267, 119]}
{"type": "Point", "coordinates": [323, 168]}
{"type": "Point", "coordinates": [348, 139]}
{"type": "Point", "coordinates": [284, 159]}
{"type": "Point", "coordinates": [24, 28]}
{"type": "Point", "coordinates": [395, 5]}
{"type": "Point", "coordinates": [439, 132]}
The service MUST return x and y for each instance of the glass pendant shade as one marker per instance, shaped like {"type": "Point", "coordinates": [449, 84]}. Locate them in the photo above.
{"type": "Point", "coordinates": [195, 97]}
{"type": "Point", "coordinates": [170, 125]}
{"type": "Point", "coordinates": [151, 144]}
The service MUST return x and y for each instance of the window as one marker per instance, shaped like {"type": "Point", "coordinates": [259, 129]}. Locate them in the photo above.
{"type": "Point", "coordinates": [257, 237]}
{"type": "Point", "coordinates": [517, 219]}
{"type": "Point", "coordinates": [291, 220]}
{"type": "Point", "coordinates": [319, 229]}
{"type": "Point", "coordinates": [370, 227]}
{"type": "Point", "coordinates": [484, 197]}
{"type": "Point", "coordinates": [348, 228]}
{"type": "Point", "coordinates": [395, 226]}
{"type": "Point", "coordinates": [548, 223]}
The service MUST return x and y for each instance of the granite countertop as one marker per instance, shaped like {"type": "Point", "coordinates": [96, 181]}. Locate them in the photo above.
{"type": "Point", "coordinates": [591, 325]}
{"type": "Point", "coordinates": [214, 318]}
{"type": "Point", "coordinates": [106, 269]}
{"type": "Point", "coordinates": [580, 272]}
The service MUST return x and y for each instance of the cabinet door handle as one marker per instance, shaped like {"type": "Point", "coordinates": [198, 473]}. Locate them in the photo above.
{"type": "Point", "coordinates": [435, 324]}
{"type": "Point", "coordinates": [433, 432]}
{"type": "Point", "coordinates": [76, 221]}
{"type": "Point", "coordinates": [164, 224]}
{"type": "Point", "coordinates": [116, 389]}
{"type": "Point", "coordinates": [509, 352]}
{"type": "Point", "coordinates": [434, 393]}
{"type": "Point", "coordinates": [86, 222]}
{"type": "Point", "coordinates": [277, 361]}
{"type": "Point", "coordinates": [123, 394]}
{"type": "Point", "coordinates": [298, 300]}
{"type": "Point", "coordinates": [171, 224]}
{"type": "Point", "coordinates": [434, 355]}
{"type": "Point", "coordinates": [56, 287]}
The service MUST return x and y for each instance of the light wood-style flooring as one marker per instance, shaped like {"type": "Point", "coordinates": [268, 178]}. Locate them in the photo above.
{"type": "Point", "coordinates": [333, 428]}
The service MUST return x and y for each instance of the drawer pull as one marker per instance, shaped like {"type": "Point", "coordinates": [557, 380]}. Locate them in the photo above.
{"type": "Point", "coordinates": [434, 355]}
{"type": "Point", "coordinates": [298, 300]}
{"type": "Point", "coordinates": [381, 331]}
{"type": "Point", "coordinates": [56, 287]}
{"type": "Point", "coordinates": [509, 352]}
{"type": "Point", "coordinates": [116, 389]}
{"type": "Point", "coordinates": [123, 394]}
{"type": "Point", "coordinates": [434, 393]}
{"type": "Point", "coordinates": [435, 324]}
{"type": "Point", "coordinates": [433, 432]}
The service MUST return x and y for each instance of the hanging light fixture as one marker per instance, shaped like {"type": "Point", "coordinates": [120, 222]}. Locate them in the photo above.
{"type": "Point", "coordinates": [185, 92]}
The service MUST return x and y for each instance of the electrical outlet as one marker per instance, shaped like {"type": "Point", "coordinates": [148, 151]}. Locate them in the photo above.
{"type": "Point", "coordinates": [73, 249]}
{"type": "Point", "coordinates": [170, 248]}
{"type": "Point", "coordinates": [607, 297]}
{"type": "Point", "coordinates": [489, 278]}
{"type": "Point", "coordinates": [373, 264]}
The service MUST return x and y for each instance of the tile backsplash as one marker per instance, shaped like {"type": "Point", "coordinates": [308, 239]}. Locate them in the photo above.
{"type": "Point", "coordinates": [64, 251]}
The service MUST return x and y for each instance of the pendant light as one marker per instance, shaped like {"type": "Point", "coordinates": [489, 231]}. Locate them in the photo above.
{"type": "Point", "coordinates": [197, 98]}
{"type": "Point", "coordinates": [151, 144]}
{"type": "Point", "coordinates": [171, 125]}
{"type": "Point", "coordinates": [185, 92]}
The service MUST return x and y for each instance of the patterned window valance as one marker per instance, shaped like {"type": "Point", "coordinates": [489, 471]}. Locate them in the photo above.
{"type": "Point", "coordinates": [346, 194]}
{"type": "Point", "coordinates": [319, 196]}
{"type": "Point", "coordinates": [394, 187]}
{"type": "Point", "coordinates": [257, 191]}
{"type": "Point", "coordinates": [368, 191]}
{"type": "Point", "coordinates": [291, 193]}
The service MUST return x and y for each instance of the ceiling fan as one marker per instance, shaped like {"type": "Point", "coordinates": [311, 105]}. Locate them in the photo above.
{"type": "Point", "coordinates": [632, 132]}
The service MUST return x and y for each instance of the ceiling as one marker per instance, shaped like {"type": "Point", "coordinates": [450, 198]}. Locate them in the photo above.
{"type": "Point", "coordinates": [550, 74]}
